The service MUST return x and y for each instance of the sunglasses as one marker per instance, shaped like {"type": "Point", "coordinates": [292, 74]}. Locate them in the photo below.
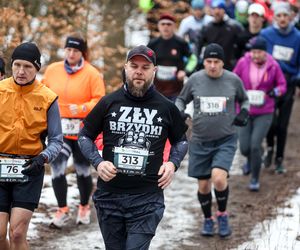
{"type": "Point", "coordinates": [167, 24]}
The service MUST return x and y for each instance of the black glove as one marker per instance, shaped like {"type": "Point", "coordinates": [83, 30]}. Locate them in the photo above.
{"type": "Point", "coordinates": [241, 118]}
{"type": "Point", "coordinates": [185, 115]}
{"type": "Point", "coordinates": [34, 166]}
{"type": "Point", "coordinates": [273, 93]}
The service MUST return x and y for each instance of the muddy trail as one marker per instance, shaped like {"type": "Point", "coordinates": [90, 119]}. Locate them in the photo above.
{"type": "Point", "coordinates": [181, 224]}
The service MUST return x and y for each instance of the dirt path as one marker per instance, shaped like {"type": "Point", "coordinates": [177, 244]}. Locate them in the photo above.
{"type": "Point", "coordinates": [180, 226]}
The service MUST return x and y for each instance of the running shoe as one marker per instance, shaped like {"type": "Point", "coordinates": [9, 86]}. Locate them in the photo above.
{"type": "Point", "coordinates": [246, 168]}
{"type": "Point", "coordinates": [60, 218]}
{"type": "Point", "coordinates": [84, 215]}
{"type": "Point", "coordinates": [208, 227]}
{"type": "Point", "coordinates": [279, 169]}
{"type": "Point", "coordinates": [254, 185]}
{"type": "Point", "coordinates": [268, 158]}
{"type": "Point", "coordinates": [223, 224]}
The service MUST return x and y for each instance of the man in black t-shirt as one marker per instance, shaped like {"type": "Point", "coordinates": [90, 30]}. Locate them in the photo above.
{"type": "Point", "coordinates": [135, 121]}
{"type": "Point", "coordinates": [174, 58]}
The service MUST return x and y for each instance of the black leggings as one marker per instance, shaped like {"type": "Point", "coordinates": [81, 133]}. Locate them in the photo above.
{"type": "Point", "coordinates": [281, 118]}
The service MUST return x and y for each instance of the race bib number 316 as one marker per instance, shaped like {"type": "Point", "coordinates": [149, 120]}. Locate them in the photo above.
{"type": "Point", "coordinates": [213, 104]}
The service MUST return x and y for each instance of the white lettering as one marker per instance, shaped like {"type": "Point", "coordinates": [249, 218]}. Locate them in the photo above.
{"type": "Point", "coordinates": [137, 116]}
{"type": "Point", "coordinates": [150, 115]}
{"type": "Point", "coordinates": [125, 115]}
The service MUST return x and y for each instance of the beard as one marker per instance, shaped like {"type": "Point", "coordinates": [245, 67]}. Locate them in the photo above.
{"type": "Point", "coordinates": [139, 90]}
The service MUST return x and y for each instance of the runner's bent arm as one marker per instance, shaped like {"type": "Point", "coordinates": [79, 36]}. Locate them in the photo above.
{"type": "Point", "coordinates": [242, 96]}
{"type": "Point", "coordinates": [55, 136]}
{"type": "Point", "coordinates": [185, 96]}
{"type": "Point", "coordinates": [88, 147]}
{"type": "Point", "coordinates": [178, 151]}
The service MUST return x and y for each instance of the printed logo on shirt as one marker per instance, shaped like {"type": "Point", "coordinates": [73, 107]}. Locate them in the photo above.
{"type": "Point", "coordinates": [136, 124]}
{"type": "Point", "coordinates": [37, 108]}
{"type": "Point", "coordinates": [136, 119]}
{"type": "Point", "coordinates": [174, 52]}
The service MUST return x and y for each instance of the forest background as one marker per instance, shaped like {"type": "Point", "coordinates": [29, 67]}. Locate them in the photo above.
{"type": "Point", "coordinates": [48, 23]}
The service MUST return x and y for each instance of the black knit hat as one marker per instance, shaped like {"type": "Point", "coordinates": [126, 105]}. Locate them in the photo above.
{"type": "Point", "coordinates": [144, 51]}
{"type": "Point", "coordinates": [2, 66]}
{"type": "Point", "coordinates": [214, 50]}
{"type": "Point", "coordinates": [76, 43]}
{"type": "Point", "coordinates": [28, 52]}
{"type": "Point", "coordinates": [257, 42]}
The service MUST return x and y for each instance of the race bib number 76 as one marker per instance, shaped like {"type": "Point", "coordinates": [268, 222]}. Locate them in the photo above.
{"type": "Point", "coordinates": [10, 170]}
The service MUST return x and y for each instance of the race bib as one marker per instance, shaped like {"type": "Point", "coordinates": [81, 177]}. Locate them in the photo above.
{"type": "Point", "coordinates": [130, 161]}
{"type": "Point", "coordinates": [166, 72]}
{"type": "Point", "coordinates": [212, 104]}
{"type": "Point", "coordinates": [282, 53]}
{"type": "Point", "coordinates": [70, 126]}
{"type": "Point", "coordinates": [256, 97]}
{"type": "Point", "coordinates": [10, 170]}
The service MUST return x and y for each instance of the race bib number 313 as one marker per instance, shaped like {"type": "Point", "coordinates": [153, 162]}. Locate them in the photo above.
{"type": "Point", "coordinates": [130, 161]}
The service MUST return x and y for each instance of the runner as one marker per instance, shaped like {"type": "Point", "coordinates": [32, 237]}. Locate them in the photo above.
{"type": "Point", "coordinates": [191, 25]}
{"type": "Point", "coordinates": [79, 86]}
{"type": "Point", "coordinates": [214, 92]}
{"type": "Point", "coordinates": [223, 31]}
{"type": "Point", "coordinates": [283, 43]}
{"type": "Point", "coordinates": [174, 58]}
{"type": "Point", "coordinates": [255, 24]}
{"type": "Point", "coordinates": [264, 81]}
{"type": "Point", "coordinates": [174, 62]}
{"type": "Point", "coordinates": [136, 121]}
{"type": "Point", "coordinates": [29, 114]}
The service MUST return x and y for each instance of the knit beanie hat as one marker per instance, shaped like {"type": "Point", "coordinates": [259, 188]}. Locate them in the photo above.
{"type": "Point", "coordinates": [28, 52]}
{"type": "Point", "coordinates": [76, 43]}
{"type": "Point", "coordinates": [214, 50]}
{"type": "Point", "coordinates": [221, 4]}
{"type": "Point", "coordinates": [257, 42]}
{"type": "Point", "coordinates": [281, 8]}
{"type": "Point", "coordinates": [197, 4]}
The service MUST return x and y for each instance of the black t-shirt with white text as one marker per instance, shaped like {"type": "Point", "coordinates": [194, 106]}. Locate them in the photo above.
{"type": "Point", "coordinates": [138, 126]}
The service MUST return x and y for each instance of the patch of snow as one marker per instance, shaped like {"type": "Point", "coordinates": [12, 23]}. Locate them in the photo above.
{"type": "Point", "coordinates": [281, 233]}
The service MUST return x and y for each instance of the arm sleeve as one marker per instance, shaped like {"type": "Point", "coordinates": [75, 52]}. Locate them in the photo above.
{"type": "Point", "coordinates": [200, 41]}
{"type": "Point", "coordinates": [55, 136]}
{"type": "Point", "coordinates": [88, 147]}
{"type": "Point", "coordinates": [280, 81]}
{"type": "Point", "coordinates": [242, 96]}
{"type": "Point", "coordinates": [93, 126]}
{"type": "Point", "coordinates": [182, 30]}
{"type": "Point", "coordinates": [191, 63]}
{"type": "Point", "coordinates": [178, 151]}
{"type": "Point", "coordinates": [184, 97]}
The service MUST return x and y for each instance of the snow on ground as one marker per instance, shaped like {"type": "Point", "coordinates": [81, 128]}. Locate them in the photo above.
{"type": "Point", "coordinates": [280, 233]}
